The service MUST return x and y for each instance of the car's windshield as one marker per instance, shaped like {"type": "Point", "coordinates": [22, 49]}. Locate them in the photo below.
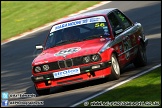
{"type": "Point", "coordinates": [78, 30]}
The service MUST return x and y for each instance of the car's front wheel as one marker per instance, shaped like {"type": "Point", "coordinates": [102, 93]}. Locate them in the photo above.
{"type": "Point", "coordinates": [43, 91]}
{"type": "Point", "coordinates": [141, 58]}
{"type": "Point", "coordinates": [115, 69]}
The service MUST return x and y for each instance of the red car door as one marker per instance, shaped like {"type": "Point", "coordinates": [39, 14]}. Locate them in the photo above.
{"type": "Point", "coordinates": [125, 36]}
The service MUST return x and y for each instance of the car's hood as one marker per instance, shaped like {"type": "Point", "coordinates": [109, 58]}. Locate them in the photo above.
{"type": "Point", "coordinates": [70, 50]}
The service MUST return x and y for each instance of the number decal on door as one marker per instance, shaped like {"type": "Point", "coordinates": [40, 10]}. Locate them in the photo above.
{"type": "Point", "coordinates": [127, 46]}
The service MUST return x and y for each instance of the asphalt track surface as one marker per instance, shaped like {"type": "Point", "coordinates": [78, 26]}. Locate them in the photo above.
{"type": "Point", "coordinates": [16, 58]}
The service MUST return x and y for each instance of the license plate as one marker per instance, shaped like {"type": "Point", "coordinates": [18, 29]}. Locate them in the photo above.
{"type": "Point", "coordinates": [65, 73]}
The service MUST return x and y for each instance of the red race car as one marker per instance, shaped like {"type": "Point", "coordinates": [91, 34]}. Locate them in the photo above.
{"type": "Point", "coordinates": [88, 46]}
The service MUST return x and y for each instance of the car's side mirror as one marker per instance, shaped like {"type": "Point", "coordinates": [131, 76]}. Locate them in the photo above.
{"type": "Point", "coordinates": [39, 47]}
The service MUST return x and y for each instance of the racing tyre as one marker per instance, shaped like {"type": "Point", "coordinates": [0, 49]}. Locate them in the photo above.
{"type": "Point", "coordinates": [115, 69]}
{"type": "Point", "coordinates": [141, 58]}
{"type": "Point", "coordinates": [43, 91]}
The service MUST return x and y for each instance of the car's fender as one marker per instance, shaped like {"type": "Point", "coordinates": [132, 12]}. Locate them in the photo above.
{"type": "Point", "coordinates": [106, 55]}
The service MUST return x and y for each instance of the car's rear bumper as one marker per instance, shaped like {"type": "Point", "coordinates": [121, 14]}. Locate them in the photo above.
{"type": "Point", "coordinates": [87, 73]}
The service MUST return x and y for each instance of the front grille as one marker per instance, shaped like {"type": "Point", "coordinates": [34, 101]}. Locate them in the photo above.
{"type": "Point", "coordinates": [78, 61]}
{"type": "Point", "coordinates": [64, 63]}
{"type": "Point", "coordinates": [54, 66]}
{"type": "Point", "coordinates": [61, 64]}
{"type": "Point", "coordinates": [69, 62]}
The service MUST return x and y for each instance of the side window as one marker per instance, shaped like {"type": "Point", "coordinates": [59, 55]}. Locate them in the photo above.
{"type": "Point", "coordinates": [125, 21]}
{"type": "Point", "coordinates": [115, 24]}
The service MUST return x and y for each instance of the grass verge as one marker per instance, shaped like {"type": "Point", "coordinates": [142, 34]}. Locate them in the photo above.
{"type": "Point", "coordinates": [144, 90]}
{"type": "Point", "coordinates": [21, 16]}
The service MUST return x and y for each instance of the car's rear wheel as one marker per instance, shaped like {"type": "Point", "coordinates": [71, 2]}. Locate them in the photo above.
{"type": "Point", "coordinates": [115, 69]}
{"type": "Point", "coordinates": [141, 58]}
{"type": "Point", "coordinates": [43, 91]}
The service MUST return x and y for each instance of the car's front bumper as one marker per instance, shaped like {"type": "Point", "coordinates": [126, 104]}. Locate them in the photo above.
{"type": "Point", "coordinates": [83, 69]}
{"type": "Point", "coordinates": [95, 70]}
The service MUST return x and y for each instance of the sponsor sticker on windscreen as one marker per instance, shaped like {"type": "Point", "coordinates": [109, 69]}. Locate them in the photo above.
{"type": "Point", "coordinates": [65, 73]}
{"type": "Point", "coordinates": [77, 22]}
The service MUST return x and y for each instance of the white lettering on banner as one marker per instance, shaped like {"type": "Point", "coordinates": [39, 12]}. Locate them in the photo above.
{"type": "Point", "coordinates": [66, 73]}
{"type": "Point", "coordinates": [78, 22]}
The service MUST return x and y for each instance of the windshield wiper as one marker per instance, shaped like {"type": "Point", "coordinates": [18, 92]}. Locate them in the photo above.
{"type": "Point", "coordinates": [64, 42]}
{"type": "Point", "coordinates": [93, 36]}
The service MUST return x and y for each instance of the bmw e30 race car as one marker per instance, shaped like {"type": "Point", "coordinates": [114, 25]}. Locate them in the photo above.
{"type": "Point", "coordinates": [88, 46]}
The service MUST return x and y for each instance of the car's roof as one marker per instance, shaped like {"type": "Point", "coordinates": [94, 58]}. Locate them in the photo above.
{"type": "Point", "coordinates": [87, 14]}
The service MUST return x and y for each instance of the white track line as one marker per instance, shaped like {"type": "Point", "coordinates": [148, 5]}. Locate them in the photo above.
{"type": "Point", "coordinates": [50, 24]}
{"type": "Point", "coordinates": [110, 88]}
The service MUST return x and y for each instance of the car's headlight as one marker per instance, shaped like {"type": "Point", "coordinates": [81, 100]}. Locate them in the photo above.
{"type": "Point", "coordinates": [96, 57]}
{"type": "Point", "coordinates": [86, 59]}
{"type": "Point", "coordinates": [46, 67]}
{"type": "Point", "coordinates": [37, 69]}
